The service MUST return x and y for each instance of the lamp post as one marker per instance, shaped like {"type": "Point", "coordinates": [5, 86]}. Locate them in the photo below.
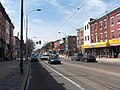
{"type": "Point", "coordinates": [66, 47]}
{"type": "Point", "coordinates": [27, 30]}
{"type": "Point", "coordinates": [21, 42]}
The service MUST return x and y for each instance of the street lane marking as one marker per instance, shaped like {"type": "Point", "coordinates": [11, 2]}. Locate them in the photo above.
{"type": "Point", "coordinates": [65, 77]}
{"type": "Point", "coordinates": [94, 69]}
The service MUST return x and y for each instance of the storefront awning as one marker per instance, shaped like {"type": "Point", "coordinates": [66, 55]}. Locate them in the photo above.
{"type": "Point", "coordinates": [96, 45]}
{"type": "Point", "coordinates": [85, 46]}
{"type": "Point", "coordinates": [114, 42]}
{"type": "Point", "coordinates": [102, 44]}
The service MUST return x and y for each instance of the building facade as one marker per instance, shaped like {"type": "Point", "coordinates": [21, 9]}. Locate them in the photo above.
{"type": "Point", "coordinates": [6, 35]}
{"type": "Point", "coordinates": [105, 35]}
{"type": "Point", "coordinates": [16, 47]}
{"type": "Point", "coordinates": [80, 39]}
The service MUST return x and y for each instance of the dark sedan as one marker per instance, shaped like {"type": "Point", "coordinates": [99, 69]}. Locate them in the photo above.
{"type": "Point", "coordinates": [34, 58]}
{"type": "Point", "coordinates": [76, 57]}
{"type": "Point", "coordinates": [54, 60]}
{"type": "Point", "coordinates": [88, 58]}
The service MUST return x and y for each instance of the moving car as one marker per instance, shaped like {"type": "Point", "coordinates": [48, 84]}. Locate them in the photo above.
{"type": "Point", "coordinates": [88, 58]}
{"type": "Point", "coordinates": [54, 60]}
{"type": "Point", "coordinates": [45, 57]}
{"type": "Point", "coordinates": [34, 58]}
{"type": "Point", "coordinates": [76, 57]}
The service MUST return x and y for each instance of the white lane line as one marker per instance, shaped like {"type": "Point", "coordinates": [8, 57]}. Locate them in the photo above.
{"type": "Point", "coordinates": [65, 77]}
{"type": "Point", "coordinates": [95, 69]}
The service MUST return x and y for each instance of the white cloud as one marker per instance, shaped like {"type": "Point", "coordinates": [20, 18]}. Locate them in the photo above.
{"type": "Point", "coordinates": [37, 21]}
{"type": "Point", "coordinates": [96, 5]}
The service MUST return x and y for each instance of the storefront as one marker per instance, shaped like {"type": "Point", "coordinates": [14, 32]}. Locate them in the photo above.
{"type": "Point", "coordinates": [110, 49]}
{"type": "Point", "coordinates": [115, 48]}
{"type": "Point", "coordinates": [100, 49]}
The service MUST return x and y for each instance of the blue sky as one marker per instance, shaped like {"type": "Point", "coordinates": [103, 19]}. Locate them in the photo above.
{"type": "Point", "coordinates": [45, 25]}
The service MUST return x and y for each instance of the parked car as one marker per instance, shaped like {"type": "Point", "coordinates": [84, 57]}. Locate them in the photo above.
{"type": "Point", "coordinates": [45, 57]}
{"type": "Point", "coordinates": [76, 57]}
{"type": "Point", "coordinates": [34, 58]}
{"type": "Point", "coordinates": [54, 60]}
{"type": "Point", "coordinates": [88, 58]}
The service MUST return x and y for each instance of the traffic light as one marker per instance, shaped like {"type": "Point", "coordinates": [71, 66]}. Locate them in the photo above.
{"type": "Point", "coordinates": [39, 42]}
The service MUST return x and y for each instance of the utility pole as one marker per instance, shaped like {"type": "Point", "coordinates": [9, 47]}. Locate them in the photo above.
{"type": "Point", "coordinates": [21, 42]}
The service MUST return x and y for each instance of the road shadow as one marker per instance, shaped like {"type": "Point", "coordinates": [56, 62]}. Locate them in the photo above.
{"type": "Point", "coordinates": [42, 80]}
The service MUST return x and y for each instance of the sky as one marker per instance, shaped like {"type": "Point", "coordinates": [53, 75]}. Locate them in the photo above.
{"type": "Point", "coordinates": [55, 16]}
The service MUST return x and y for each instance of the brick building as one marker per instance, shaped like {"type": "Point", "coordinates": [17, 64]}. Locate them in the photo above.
{"type": "Point", "coordinates": [105, 35]}
{"type": "Point", "coordinates": [6, 35]}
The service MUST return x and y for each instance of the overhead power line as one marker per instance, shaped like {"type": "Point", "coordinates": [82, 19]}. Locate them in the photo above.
{"type": "Point", "coordinates": [72, 15]}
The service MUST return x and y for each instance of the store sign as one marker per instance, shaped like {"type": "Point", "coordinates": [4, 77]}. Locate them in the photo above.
{"type": "Point", "coordinates": [114, 41]}
{"type": "Point", "coordinates": [102, 44]}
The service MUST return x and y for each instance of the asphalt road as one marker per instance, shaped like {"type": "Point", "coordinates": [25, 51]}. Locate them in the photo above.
{"type": "Point", "coordinates": [74, 75]}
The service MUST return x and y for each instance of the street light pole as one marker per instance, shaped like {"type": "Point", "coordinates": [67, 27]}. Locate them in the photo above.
{"type": "Point", "coordinates": [27, 30]}
{"type": "Point", "coordinates": [65, 43]}
{"type": "Point", "coordinates": [21, 42]}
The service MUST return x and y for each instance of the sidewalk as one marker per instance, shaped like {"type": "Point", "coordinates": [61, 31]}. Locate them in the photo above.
{"type": "Point", "coordinates": [111, 60]}
{"type": "Point", "coordinates": [10, 77]}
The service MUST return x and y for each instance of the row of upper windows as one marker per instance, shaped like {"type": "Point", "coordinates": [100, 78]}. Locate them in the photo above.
{"type": "Point", "coordinates": [86, 27]}
{"type": "Point", "coordinates": [113, 35]}
{"type": "Point", "coordinates": [105, 35]}
{"type": "Point", "coordinates": [105, 23]}
{"type": "Point", "coordinates": [87, 38]}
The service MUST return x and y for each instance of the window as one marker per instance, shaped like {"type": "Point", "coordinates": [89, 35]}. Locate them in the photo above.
{"type": "Point", "coordinates": [88, 38]}
{"type": "Point", "coordinates": [85, 38]}
{"type": "Point", "coordinates": [105, 24]}
{"type": "Point", "coordinates": [112, 21]}
{"type": "Point", "coordinates": [95, 26]}
{"type": "Point", "coordinates": [112, 34]}
{"type": "Point", "coordinates": [101, 37]}
{"type": "Point", "coordinates": [118, 18]}
{"type": "Point", "coordinates": [105, 34]}
{"type": "Point", "coordinates": [101, 25]}
{"type": "Point", "coordinates": [87, 26]}
{"type": "Point", "coordinates": [96, 37]}
{"type": "Point", "coordinates": [119, 33]}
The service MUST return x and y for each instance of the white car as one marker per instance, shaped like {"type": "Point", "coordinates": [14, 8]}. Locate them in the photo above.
{"type": "Point", "coordinates": [45, 57]}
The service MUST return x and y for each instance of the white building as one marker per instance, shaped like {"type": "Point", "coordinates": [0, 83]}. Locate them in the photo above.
{"type": "Point", "coordinates": [87, 36]}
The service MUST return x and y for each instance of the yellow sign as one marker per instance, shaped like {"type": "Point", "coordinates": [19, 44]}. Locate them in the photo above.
{"type": "Point", "coordinates": [84, 46]}
{"type": "Point", "coordinates": [102, 44]}
{"type": "Point", "coordinates": [114, 41]}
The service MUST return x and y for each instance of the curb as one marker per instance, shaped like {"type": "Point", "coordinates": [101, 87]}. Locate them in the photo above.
{"type": "Point", "coordinates": [24, 82]}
